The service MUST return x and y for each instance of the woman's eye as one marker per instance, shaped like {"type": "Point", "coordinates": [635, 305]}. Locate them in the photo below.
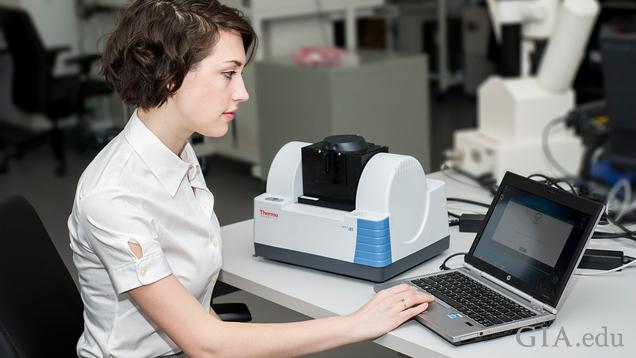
{"type": "Point", "coordinates": [229, 74]}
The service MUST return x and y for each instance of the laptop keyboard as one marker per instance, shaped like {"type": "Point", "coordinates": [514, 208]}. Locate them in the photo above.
{"type": "Point", "coordinates": [473, 299]}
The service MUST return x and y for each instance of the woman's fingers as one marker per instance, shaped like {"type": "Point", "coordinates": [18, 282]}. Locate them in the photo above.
{"type": "Point", "coordinates": [414, 298]}
{"type": "Point", "coordinates": [397, 289]}
{"type": "Point", "coordinates": [413, 311]}
{"type": "Point", "coordinates": [404, 296]}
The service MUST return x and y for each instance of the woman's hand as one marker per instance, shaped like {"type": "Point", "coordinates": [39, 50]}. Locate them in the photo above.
{"type": "Point", "coordinates": [388, 309]}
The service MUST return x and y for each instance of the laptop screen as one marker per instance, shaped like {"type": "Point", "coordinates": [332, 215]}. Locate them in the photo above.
{"type": "Point", "coordinates": [531, 240]}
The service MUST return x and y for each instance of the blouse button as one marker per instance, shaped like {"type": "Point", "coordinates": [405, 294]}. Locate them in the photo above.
{"type": "Point", "coordinates": [142, 271]}
{"type": "Point", "coordinates": [215, 243]}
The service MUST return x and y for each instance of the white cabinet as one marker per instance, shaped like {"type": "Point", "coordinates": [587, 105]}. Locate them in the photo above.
{"type": "Point", "coordinates": [385, 99]}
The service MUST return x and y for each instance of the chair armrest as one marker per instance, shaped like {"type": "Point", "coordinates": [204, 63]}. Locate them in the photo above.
{"type": "Point", "coordinates": [84, 61]}
{"type": "Point", "coordinates": [52, 52]}
{"type": "Point", "coordinates": [57, 49]}
{"type": "Point", "coordinates": [232, 312]}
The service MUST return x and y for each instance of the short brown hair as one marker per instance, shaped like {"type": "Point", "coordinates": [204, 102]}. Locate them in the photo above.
{"type": "Point", "coordinates": [156, 42]}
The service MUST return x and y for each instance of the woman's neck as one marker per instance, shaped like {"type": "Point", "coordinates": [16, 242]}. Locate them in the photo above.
{"type": "Point", "coordinates": [164, 124]}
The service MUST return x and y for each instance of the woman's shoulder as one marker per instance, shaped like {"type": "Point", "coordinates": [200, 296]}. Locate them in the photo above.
{"type": "Point", "coordinates": [109, 165]}
{"type": "Point", "coordinates": [105, 177]}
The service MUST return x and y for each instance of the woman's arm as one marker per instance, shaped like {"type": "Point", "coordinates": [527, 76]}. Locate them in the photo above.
{"type": "Point", "coordinates": [200, 334]}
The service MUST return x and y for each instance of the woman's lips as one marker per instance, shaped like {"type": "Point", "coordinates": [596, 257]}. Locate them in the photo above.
{"type": "Point", "coordinates": [229, 115]}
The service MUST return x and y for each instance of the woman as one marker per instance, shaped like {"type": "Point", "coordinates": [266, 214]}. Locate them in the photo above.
{"type": "Point", "coordinates": [145, 239]}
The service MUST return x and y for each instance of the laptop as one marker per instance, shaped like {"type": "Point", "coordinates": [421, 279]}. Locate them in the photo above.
{"type": "Point", "coordinates": [518, 266]}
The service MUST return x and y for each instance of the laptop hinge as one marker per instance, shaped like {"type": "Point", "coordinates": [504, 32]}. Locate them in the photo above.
{"type": "Point", "coordinates": [532, 302]}
{"type": "Point", "coordinates": [540, 306]}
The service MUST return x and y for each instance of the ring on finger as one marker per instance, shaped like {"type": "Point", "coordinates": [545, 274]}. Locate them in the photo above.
{"type": "Point", "coordinates": [403, 304]}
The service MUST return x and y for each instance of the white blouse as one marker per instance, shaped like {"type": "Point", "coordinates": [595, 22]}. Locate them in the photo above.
{"type": "Point", "coordinates": [136, 190]}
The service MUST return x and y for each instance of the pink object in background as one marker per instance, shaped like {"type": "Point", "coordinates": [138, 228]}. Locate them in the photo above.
{"type": "Point", "coordinates": [324, 56]}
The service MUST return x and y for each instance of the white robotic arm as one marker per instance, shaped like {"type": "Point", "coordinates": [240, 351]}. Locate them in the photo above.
{"type": "Point", "coordinates": [565, 23]}
{"type": "Point", "coordinates": [517, 25]}
{"type": "Point", "coordinates": [537, 17]}
{"type": "Point", "coordinates": [513, 111]}
{"type": "Point", "coordinates": [567, 44]}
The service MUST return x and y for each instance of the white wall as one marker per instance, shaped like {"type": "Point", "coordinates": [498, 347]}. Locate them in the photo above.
{"type": "Point", "coordinates": [10, 2]}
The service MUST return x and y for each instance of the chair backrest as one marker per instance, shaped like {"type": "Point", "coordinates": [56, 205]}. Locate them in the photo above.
{"type": "Point", "coordinates": [40, 306]}
{"type": "Point", "coordinates": [32, 67]}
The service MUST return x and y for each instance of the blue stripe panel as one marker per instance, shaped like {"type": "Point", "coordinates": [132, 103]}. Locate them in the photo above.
{"type": "Point", "coordinates": [375, 225]}
{"type": "Point", "coordinates": [362, 247]}
{"type": "Point", "coordinates": [373, 233]}
{"type": "Point", "coordinates": [373, 243]}
{"type": "Point", "coordinates": [381, 240]}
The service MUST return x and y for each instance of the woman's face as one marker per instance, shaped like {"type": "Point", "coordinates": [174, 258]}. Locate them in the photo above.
{"type": "Point", "coordinates": [212, 90]}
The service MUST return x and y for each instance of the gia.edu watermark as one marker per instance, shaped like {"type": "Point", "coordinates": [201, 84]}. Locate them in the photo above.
{"type": "Point", "coordinates": [601, 338]}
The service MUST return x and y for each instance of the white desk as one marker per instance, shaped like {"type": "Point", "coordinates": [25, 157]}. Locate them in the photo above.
{"type": "Point", "coordinates": [590, 303]}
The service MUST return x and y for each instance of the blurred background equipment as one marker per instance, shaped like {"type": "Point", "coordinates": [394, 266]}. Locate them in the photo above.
{"type": "Point", "coordinates": [608, 127]}
{"type": "Point", "coordinates": [324, 56]}
{"type": "Point", "coordinates": [433, 27]}
{"type": "Point", "coordinates": [476, 36]}
{"type": "Point", "coordinates": [516, 107]}
{"type": "Point", "coordinates": [619, 59]}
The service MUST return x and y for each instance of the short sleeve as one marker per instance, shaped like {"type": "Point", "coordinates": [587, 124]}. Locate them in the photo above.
{"type": "Point", "coordinates": [108, 222]}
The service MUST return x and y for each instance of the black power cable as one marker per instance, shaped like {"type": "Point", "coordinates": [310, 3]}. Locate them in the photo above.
{"type": "Point", "coordinates": [468, 201]}
{"type": "Point", "coordinates": [628, 233]}
{"type": "Point", "coordinates": [486, 181]}
{"type": "Point", "coordinates": [609, 235]}
{"type": "Point", "coordinates": [453, 215]}
{"type": "Point", "coordinates": [554, 182]}
{"type": "Point", "coordinates": [443, 267]}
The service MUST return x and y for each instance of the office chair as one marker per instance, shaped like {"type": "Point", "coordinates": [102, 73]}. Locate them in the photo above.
{"type": "Point", "coordinates": [34, 87]}
{"type": "Point", "coordinates": [40, 306]}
